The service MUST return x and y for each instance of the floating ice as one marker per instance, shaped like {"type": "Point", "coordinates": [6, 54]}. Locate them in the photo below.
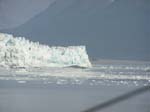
{"type": "Point", "coordinates": [20, 52]}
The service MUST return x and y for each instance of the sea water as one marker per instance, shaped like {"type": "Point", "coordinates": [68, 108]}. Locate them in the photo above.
{"type": "Point", "coordinates": [74, 89]}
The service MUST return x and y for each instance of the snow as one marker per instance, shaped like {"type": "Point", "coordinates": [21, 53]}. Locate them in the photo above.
{"type": "Point", "coordinates": [20, 52]}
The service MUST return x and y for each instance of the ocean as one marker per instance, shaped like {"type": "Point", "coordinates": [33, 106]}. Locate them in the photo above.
{"type": "Point", "coordinates": [75, 89]}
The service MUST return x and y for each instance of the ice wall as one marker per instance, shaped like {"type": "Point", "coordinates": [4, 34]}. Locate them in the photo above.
{"type": "Point", "coordinates": [20, 52]}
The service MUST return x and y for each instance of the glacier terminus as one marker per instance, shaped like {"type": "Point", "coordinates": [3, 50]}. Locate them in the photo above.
{"type": "Point", "coordinates": [20, 52]}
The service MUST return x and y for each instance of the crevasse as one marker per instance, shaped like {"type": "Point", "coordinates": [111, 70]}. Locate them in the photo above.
{"type": "Point", "coordinates": [20, 52]}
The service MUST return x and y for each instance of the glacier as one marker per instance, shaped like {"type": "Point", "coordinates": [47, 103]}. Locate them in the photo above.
{"type": "Point", "coordinates": [20, 52]}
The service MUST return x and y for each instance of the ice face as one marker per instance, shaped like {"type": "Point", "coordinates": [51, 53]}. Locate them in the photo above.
{"type": "Point", "coordinates": [20, 52]}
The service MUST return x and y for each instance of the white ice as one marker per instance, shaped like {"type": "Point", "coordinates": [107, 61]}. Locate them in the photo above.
{"type": "Point", "coordinates": [20, 52]}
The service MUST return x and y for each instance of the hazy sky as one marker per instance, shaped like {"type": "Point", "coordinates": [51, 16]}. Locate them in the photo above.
{"type": "Point", "coordinates": [111, 29]}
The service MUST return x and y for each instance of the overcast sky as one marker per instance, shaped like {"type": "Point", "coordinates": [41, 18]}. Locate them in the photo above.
{"type": "Point", "coordinates": [111, 29]}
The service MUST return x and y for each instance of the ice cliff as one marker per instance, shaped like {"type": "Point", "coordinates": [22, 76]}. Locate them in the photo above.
{"type": "Point", "coordinates": [20, 52]}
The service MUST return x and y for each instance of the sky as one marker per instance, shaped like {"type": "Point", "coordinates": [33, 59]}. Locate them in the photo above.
{"type": "Point", "coordinates": [111, 29]}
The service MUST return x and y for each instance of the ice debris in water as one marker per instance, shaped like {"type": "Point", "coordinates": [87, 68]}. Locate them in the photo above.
{"type": "Point", "coordinates": [20, 52]}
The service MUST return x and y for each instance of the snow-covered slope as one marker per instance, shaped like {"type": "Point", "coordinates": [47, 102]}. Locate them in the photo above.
{"type": "Point", "coordinates": [20, 52]}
